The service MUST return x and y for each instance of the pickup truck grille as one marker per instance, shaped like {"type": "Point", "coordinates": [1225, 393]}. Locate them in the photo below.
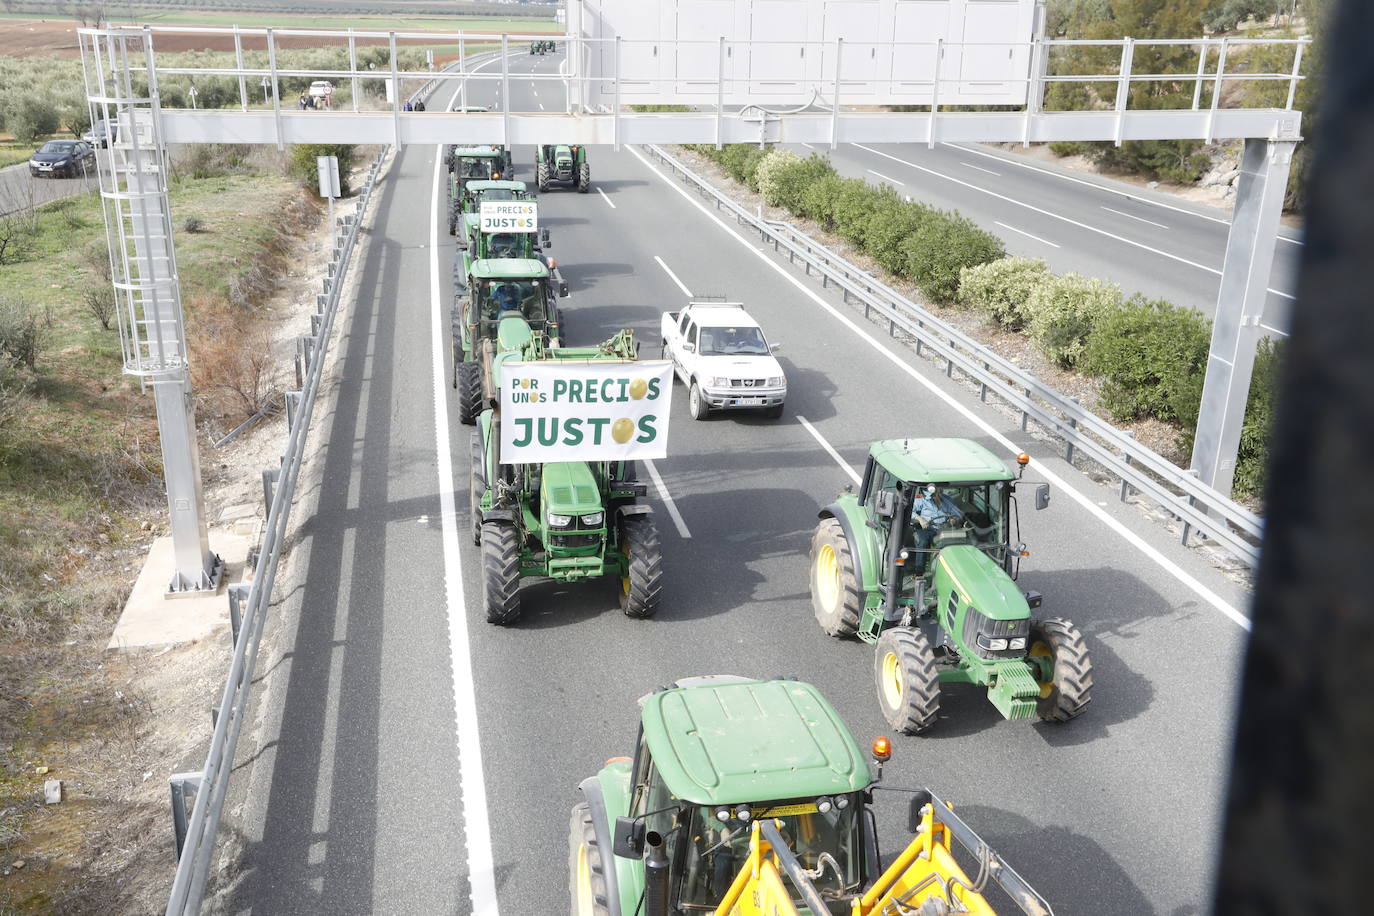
{"type": "Point", "coordinates": [748, 382]}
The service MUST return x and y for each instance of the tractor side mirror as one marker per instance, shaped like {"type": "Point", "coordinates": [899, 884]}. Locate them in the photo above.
{"type": "Point", "coordinates": [563, 290]}
{"type": "Point", "coordinates": [887, 503]}
{"type": "Point", "coordinates": [544, 238]}
{"type": "Point", "coordinates": [913, 812]}
{"type": "Point", "coordinates": [628, 839]}
{"type": "Point", "coordinates": [1042, 496]}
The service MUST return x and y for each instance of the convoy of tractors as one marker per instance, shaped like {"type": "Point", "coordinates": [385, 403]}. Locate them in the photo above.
{"type": "Point", "coordinates": [745, 796]}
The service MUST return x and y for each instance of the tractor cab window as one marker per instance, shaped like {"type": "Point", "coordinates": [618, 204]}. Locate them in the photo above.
{"type": "Point", "coordinates": [883, 481]}
{"type": "Point", "coordinates": [475, 168]}
{"type": "Point", "coordinates": [826, 844]}
{"type": "Point", "coordinates": [496, 194]}
{"type": "Point", "coordinates": [522, 297]}
{"type": "Point", "coordinates": [653, 801]}
{"type": "Point", "coordinates": [505, 245]}
{"type": "Point", "coordinates": [968, 514]}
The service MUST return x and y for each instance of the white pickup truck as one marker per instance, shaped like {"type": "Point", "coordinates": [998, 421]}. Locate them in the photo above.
{"type": "Point", "coordinates": [720, 353]}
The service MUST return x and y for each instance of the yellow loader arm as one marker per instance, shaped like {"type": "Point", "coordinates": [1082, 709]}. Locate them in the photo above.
{"type": "Point", "coordinates": [924, 880]}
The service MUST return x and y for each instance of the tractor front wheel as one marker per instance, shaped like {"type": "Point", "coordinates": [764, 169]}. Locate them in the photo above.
{"type": "Point", "coordinates": [469, 392]}
{"type": "Point", "coordinates": [501, 571]}
{"type": "Point", "coordinates": [835, 594]}
{"type": "Point", "coordinates": [1066, 688]}
{"type": "Point", "coordinates": [908, 685]}
{"type": "Point", "coordinates": [641, 589]}
{"type": "Point", "coordinates": [696, 403]}
{"type": "Point", "coordinates": [541, 177]}
{"type": "Point", "coordinates": [586, 866]}
{"type": "Point", "coordinates": [584, 177]}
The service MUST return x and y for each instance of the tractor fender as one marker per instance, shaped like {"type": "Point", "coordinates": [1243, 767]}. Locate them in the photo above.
{"type": "Point", "coordinates": [865, 567]}
{"type": "Point", "coordinates": [633, 509]}
{"type": "Point", "coordinates": [499, 515]}
{"type": "Point", "coordinates": [592, 791]}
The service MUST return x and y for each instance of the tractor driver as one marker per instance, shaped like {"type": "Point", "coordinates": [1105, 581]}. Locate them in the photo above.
{"type": "Point", "coordinates": [933, 510]}
{"type": "Point", "coordinates": [507, 298]}
{"type": "Point", "coordinates": [505, 245]}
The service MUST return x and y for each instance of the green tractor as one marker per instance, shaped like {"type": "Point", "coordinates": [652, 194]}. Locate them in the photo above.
{"type": "Point", "coordinates": [467, 197]}
{"type": "Point", "coordinates": [476, 163]}
{"type": "Point", "coordinates": [568, 520]}
{"type": "Point", "coordinates": [562, 164]}
{"type": "Point", "coordinates": [488, 290]}
{"type": "Point", "coordinates": [541, 47]}
{"type": "Point", "coordinates": [932, 539]}
{"type": "Point", "coordinates": [671, 831]}
{"type": "Point", "coordinates": [477, 245]}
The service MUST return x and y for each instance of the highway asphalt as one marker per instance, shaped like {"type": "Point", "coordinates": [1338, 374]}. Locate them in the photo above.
{"type": "Point", "coordinates": [387, 705]}
{"type": "Point", "coordinates": [19, 190]}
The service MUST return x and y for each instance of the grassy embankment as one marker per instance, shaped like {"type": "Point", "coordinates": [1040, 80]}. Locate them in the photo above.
{"type": "Point", "coordinates": [80, 490]}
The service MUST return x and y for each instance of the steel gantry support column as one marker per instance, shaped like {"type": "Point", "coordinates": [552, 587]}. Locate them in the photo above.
{"type": "Point", "coordinates": [138, 222]}
{"type": "Point", "coordinates": [1241, 301]}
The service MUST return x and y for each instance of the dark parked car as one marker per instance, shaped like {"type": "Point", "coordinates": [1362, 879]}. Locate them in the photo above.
{"type": "Point", "coordinates": [67, 158]}
{"type": "Point", "coordinates": [102, 132]}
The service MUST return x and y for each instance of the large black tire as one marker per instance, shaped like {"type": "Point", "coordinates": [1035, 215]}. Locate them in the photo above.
{"type": "Point", "coordinates": [501, 571]}
{"type": "Point", "coordinates": [584, 177]}
{"type": "Point", "coordinates": [541, 176]}
{"type": "Point", "coordinates": [586, 866]}
{"type": "Point", "coordinates": [452, 219]}
{"type": "Point", "coordinates": [696, 404]}
{"type": "Point", "coordinates": [835, 594]}
{"type": "Point", "coordinates": [908, 684]}
{"type": "Point", "coordinates": [1069, 690]}
{"type": "Point", "coordinates": [476, 485]}
{"type": "Point", "coordinates": [642, 590]}
{"type": "Point", "coordinates": [469, 392]}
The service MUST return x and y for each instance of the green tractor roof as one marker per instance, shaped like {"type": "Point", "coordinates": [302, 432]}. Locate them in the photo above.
{"type": "Point", "coordinates": [495, 184]}
{"type": "Point", "coordinates": [509, 269]}
{"type": "Point", "coordinates": [751, 741]}
{"type": "Point", "coordinates": [478, 152]}
{"type": "Point", "coordinates": [939, 460]}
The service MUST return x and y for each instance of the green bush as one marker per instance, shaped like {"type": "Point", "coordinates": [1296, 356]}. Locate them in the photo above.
{"type": "Point", "coordinates": [1061, 312]}
{"type": "Point", "coordinates": [31, 117]}
{"type": "Point", "coordinates": [1001, 288]}
{"type": "Point", "coordinates": [741, 161]}
{"type": "Point", "coordinates": [303, 163]}
{"type": "Point", "coordinates": [894, 221]}
{"type": "Point", "coordinates": [1177, 160]}
{"type": "Point", "coordinates": [1148, 352]}
{"type": "Point", "coordinates": [853, 209]}
{"type": "Point", "coordinates": [783, 178]}
{"type": "Point", "coordinates": [1252, 460]}
{"type": "Point", "coordinates": [942, 246]}
{"type": "Point", "coordinates": [23, 332]}
{"type": "Point", "coordinates": [819, 200]}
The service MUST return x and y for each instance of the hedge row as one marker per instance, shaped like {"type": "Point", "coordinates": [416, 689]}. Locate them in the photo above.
{"type": "Point", "coordinates": [1151, 355]}
{"type": "Point", "coordinates": [908, 239]}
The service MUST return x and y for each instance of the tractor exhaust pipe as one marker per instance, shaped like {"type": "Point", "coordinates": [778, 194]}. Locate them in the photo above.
{"type": "Point", "coordinates": [655, 876]}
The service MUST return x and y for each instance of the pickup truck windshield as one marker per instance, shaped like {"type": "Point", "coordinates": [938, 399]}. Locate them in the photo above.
{"type": "Point", "coordinates": [728, 341]}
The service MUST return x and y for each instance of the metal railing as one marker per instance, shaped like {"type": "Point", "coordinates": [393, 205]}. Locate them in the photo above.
{"type": "Point", "coordinates": [1134, 465]}
{"type": "Point", "coordinates": [248, 604]}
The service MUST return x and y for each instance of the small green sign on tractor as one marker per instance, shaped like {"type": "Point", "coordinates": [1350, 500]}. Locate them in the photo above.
{"type": "Point", "coordinates": [922, 563]}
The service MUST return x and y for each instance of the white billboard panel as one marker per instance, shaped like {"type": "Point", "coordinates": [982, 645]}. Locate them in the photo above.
{"type": "Point", "coordinates": [785, 52]}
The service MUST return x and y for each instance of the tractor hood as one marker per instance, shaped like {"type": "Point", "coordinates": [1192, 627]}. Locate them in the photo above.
{"type": "Point", "coordinates": [569, 488]}
{"type": "Point", "coordinates": [513, 333]}
{"type": "Point", "coordinates": [980, 582]}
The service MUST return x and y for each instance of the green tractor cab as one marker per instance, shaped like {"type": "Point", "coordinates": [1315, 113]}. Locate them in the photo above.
{"type": "Point", "coordinates": [468, 198]}
{"type": "Point", "coordinates": [475, 163]}
{"type": "Point", "coordinates": [922, 563]}
{"type": "Point", "coordinates": [566, 521]}
{"type": "Point", "coordinates": [714, 755]}
{"type": "Point", "coordinates": [487, 291]}
{"type": "Point", "coordinates": [566, 165]}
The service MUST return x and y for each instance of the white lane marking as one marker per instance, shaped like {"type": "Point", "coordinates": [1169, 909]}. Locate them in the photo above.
{"type": "Point", "coordinates": [1134, 217]}
{"type": "Point", "coordinates": [541, 106]}
{"type": "Point", "coordinates": [844, 465]}
{"type": "Point", "coordinates": [891, 181]}
{"type": "Point", "coordinates": [667, 498]}
{"type": "Point", "coordinates": [603, 193]}
{"type": "Point", "coordinates": [807, 145]}
{"type": "Point", "coordinates": [1044, 212]}
{"type": "Point", "coordinates": [1026, 234]}
{"type": "Point", "coordinates": [471, 778]}
{"type": "Point", "coordinates": [970, 165]}
{"type": "Point", "coordinates": [1090, 505]}
{"type": "Point", "coordinates": [669, 271]}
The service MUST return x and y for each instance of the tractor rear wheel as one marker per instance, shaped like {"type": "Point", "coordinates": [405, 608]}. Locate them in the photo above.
{"type": "Point", "coordinates": [584, 177]}
{"type": "Point", "coordinates": [586, 866]}
{"type": "Point", "coordinates": [469, 392]}
{"type": "Point", "coordinates": [501, 571]}
{"type": "Point", "coordinates": [541, 176]}
{"type": "Point", "coordinates": [476, 486]}
{"type": "Point", "coordinates": [908, 685]}
{"type": "Point", "coordinates": [642, 589]}
{"type": "Point", "coordinates": [835, 594]}
{"type": "Point", "coordinates": [1069, 688]}
{"type": "Point", "coordinates": [696, 404]}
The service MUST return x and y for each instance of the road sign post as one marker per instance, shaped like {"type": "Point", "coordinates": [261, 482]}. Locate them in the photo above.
{"type": "Point", "coordinates": [328, 169]}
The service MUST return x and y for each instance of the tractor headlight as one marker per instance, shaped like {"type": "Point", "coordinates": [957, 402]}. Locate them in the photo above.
{"type": "Point", "coordinates": [824, 804]}
{"type": "Point", "coordinates": [1017, 643]}
{"type": "Point", "coordinates": [593, 520]}
{"type": "Point", "coordinates": [841, 801]}
{"type": "Point", "coordinates": [776, 381]}
{"type": "Point", "coordinates": [744, 813]}
{"type": "Point", "coordinates": [559, 521]}
{"type": "Point", "coordinates": [992, 644]}
{"type": "Point", "coordinates": [723, 815]}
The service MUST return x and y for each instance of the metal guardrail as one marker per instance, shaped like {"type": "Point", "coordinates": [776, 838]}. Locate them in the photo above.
{"type": "Point", "coordinates": [248, 604]}
{"type": "Point", "coordinates": [1136, 466]}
